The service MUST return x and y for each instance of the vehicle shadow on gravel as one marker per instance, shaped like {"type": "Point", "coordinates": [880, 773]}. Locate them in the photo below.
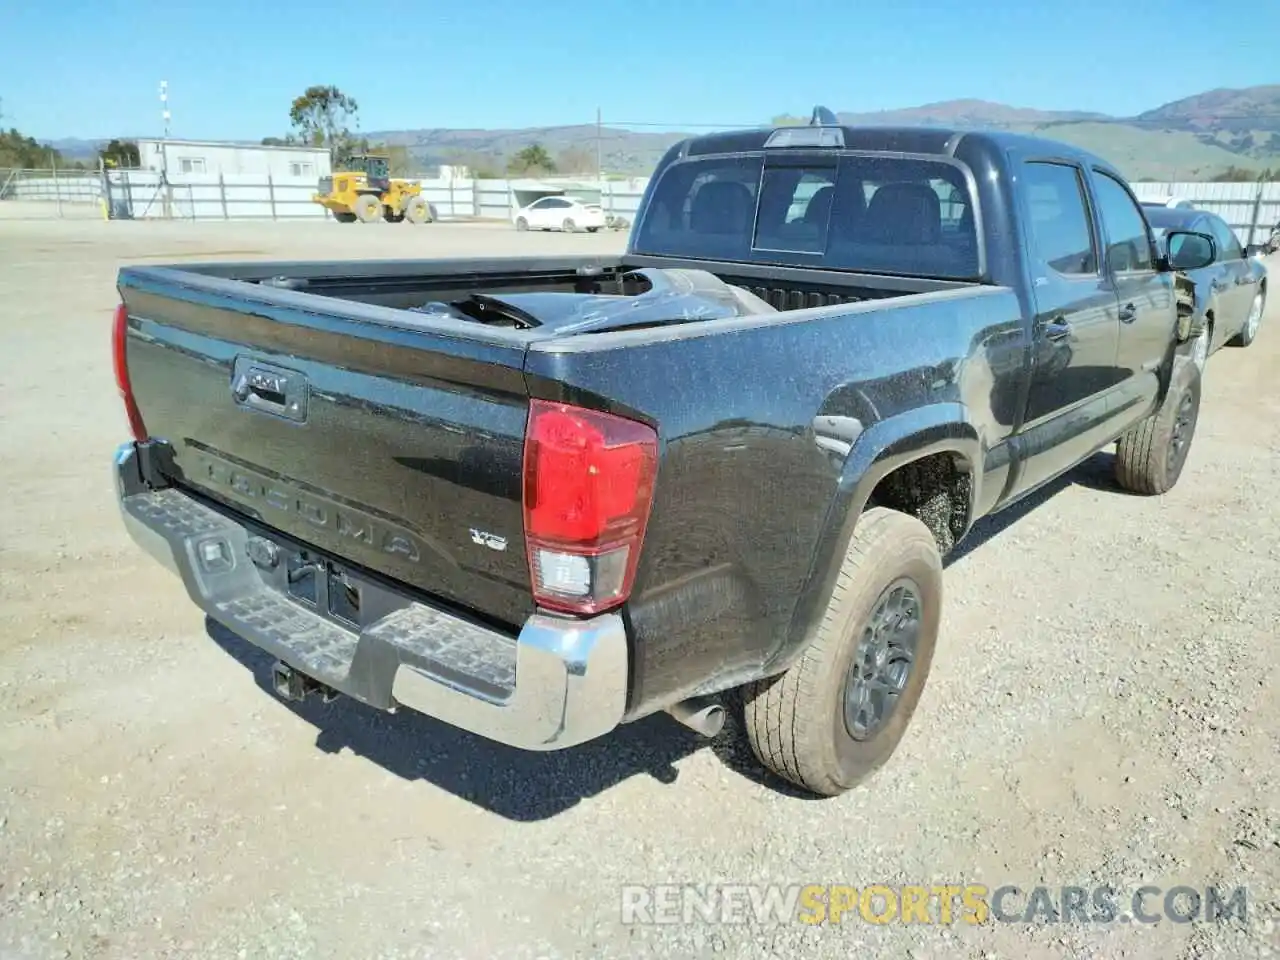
{"type": "Point", "coordinates": [516, 784]}
{"type": "Point", "coordinates": [525, 786]}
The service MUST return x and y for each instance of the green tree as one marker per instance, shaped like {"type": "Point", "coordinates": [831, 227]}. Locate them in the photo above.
{"type": "Point", "coordinates": [323, 117]}
{"type": "Point", "coordinates": [120, 153]}
{"type": "Point", "coordinates": [533, 159]}
{"type": "Point", "coordinates": [788, 120]}
{"type": "Point", "coordinates": [19, 151]}
{"type": "Point", "coordinates": [289, 141]}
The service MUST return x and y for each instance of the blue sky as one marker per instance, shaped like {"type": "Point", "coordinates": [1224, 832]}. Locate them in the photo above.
{"type": "Point", "coordinates": [233, 66]}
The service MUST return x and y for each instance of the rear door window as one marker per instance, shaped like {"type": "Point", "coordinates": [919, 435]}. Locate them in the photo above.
{"type": "Point", "coordinates": [1058, 218]}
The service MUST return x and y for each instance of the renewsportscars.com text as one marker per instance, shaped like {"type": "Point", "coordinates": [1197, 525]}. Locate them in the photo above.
{"type": "Point", "coordinates": [932, 904]}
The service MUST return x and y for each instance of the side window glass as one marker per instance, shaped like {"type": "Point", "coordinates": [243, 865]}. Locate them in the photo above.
{"type": "Point", "coordinates": [1128, 239]}
{"type": "Point", "coordinates": [1229, 247]}
{"type": "Point", "coordinates": [1059, 218]}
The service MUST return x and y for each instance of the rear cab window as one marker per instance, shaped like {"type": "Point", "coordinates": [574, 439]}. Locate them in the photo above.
{"type": "Point", "coordinates": [871, 213]}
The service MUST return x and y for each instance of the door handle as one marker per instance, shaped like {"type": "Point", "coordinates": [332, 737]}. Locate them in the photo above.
{"type": "Point", "coordinates": [1057, 329]}
{"type": "Point", "coordinates": [1128, 313]}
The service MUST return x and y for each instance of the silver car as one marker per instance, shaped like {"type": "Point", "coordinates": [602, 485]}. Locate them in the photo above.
{"type": "Point", "coordinates": [1230, 293]}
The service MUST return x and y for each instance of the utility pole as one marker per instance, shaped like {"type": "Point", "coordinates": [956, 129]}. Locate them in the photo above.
{"type": "Point", "coordinates": [599, 163]}
{"type": "Point", "coordinates": [164, 150]}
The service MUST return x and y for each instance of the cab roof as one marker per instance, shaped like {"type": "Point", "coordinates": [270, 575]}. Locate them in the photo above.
{"type": "Point", "coordinates": [898, 139]}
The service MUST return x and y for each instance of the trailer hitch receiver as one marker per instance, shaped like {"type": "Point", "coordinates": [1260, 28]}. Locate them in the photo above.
{"type": "Point", "coordinates": [293, 685]}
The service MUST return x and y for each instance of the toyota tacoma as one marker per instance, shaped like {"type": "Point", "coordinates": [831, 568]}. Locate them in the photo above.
{"type": "Point", "coordinates": [540, 497]}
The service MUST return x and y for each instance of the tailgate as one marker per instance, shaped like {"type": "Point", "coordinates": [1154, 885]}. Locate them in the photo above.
{"type": "Point", "coordinates": [393, 445]}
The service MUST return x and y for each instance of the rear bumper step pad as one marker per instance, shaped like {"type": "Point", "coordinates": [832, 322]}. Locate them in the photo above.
{"type": "Point", "coordinates": [557, 683]}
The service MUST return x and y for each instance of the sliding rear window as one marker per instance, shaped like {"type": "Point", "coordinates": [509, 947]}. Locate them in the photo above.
{"type": "Point", "coordinates": [879, 214]}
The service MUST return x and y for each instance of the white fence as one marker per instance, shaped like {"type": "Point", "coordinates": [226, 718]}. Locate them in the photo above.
{"type": "Point", "coordinates": [1252, 209]}
{"type": "Point", "coordinates": [142, 194]}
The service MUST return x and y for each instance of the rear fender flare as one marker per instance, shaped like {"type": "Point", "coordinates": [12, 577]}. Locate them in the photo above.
{"type": "Point", "coordinates": [878, 451]}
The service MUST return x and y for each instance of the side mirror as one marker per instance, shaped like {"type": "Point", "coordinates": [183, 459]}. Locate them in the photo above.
{"type": "Point", "coordinates": [1188, 250]}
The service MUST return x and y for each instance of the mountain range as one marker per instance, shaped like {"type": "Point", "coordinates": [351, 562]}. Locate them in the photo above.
{"type": "Point", "coordinates": [1194, 138]}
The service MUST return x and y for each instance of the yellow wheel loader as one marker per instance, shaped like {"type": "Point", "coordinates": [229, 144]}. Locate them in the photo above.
{"type": "Point", "coordinates": [363, 190]}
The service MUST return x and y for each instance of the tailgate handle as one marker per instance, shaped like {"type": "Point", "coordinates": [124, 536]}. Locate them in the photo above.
{"type": "Point", "coordinates": [268, 389]}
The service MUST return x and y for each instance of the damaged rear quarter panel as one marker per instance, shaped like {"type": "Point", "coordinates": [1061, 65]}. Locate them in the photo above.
{"type": "Point", "coordinates": [758, 418]}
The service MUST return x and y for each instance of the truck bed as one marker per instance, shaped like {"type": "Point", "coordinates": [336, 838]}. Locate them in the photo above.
{"type": "Point", "coordinates": [406, 284]}
{"type": "Point", "coordinates": [403, 457]}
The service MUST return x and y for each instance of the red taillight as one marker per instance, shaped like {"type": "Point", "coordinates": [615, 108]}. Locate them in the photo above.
{"type": "Point", "coordinates": [119, 344]}
{"type": "Point", "coordinates": [588, 484]}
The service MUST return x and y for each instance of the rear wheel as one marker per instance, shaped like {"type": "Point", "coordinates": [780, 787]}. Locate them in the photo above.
{"type": "Point", "coordinates": [522, 223]}
{"type": "Point", "coordinates": [1249, 332]}
{"type": "Point", "coordinates": [417, 211]}
{"type": "Point", "coordinates": [838, 713]}
{"type": "Point", "coordinates": [568, 226]}
{"type": "Point", "coordinates": [1150, 457]}
{"type": "Point", "coordinates": [368, 208]}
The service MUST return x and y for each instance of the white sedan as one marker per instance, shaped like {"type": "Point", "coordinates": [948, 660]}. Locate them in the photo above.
{"type": "Point", "coordinates": [560, 213]}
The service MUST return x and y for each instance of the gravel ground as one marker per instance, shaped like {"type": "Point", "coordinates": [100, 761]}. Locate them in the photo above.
{"type": "Point", "coordinates": [1101, 711]}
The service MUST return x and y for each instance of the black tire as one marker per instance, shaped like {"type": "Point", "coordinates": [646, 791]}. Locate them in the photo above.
{"type": "Point", "coordinates": [368, 208]}
{"type": "Point", "coordinates": [568, 226]}
{"type": "Point", "coordinates": [1249, 332]}
{"type": "Point", "coordinates": [522, 224]}
{"type": "Point", "coordinates": [345, 217]}
{"type": "Point", "coordinates": [1150, 457]}
{"type": "Point", "coordinates": [796, 722]}
{"type": "Point", "coordinates": [593, 229]}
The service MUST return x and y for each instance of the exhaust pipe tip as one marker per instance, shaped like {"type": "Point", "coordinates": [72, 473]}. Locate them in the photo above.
{"type": "Point", "coordinates": [701, 714]}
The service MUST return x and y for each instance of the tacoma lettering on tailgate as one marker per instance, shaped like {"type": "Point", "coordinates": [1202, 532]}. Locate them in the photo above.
{"type": "Point", "coordinates": [266, 494]}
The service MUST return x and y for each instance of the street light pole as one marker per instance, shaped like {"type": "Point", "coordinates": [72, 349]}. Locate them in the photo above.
{"type": "Point", "coordinates": [164, 150]}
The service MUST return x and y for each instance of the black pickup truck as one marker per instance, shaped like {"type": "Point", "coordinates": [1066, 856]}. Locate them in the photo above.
{"type": "Point", "coordinates": [540, 497]}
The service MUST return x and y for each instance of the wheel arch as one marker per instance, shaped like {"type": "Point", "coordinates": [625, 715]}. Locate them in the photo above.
{"type": "Point", "coordinates": [901, 462]}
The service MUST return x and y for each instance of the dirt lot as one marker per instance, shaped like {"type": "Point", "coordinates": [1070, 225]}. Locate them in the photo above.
{"type": "Point", "coordinates": [1102, 711]}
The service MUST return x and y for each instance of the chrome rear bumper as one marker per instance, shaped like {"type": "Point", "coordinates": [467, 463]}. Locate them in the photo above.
{"type": "Point", "coordinates": [559, 682]}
